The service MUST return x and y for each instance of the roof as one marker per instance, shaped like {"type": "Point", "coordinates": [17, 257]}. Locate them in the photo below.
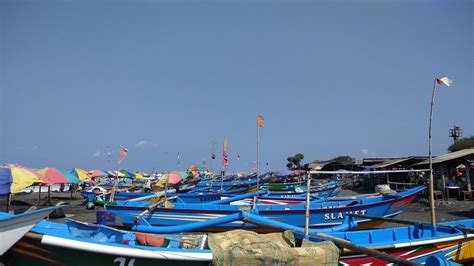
{"type": "Point", "coordinates": [448, 157]}
{"type": "Point", "coordinates": [392, 162]}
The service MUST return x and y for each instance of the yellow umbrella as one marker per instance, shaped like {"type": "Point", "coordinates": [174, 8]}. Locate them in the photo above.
{"type": "Point", "coordinates": [23, 178]}
{"type": "Point", "coordinates": [81, 173]}
{"type": "Point", "coordinates": [138, 176]}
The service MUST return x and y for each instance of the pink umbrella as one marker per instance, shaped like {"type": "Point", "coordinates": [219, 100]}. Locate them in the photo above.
{"type": "Point", "coordinates": [174, 178]}
{"type": "Point", "coordinates": [97, 173]}
{"type": "Point", "coordinates": [53, 176]}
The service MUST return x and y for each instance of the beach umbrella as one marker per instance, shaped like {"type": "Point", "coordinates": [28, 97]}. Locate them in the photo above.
{"type": "Point", "coordinates": [54, 176]}
{"type": "Point", "coordinates": [71, 178]}
{"type": "Point", "coordinates": [138, 176]}
{"type": "Point", "coordinates": [23, 178]}
{"type": "Point", "coordinates": [126, 174]}
{"type": "Point", "coordinates": [97, 173]}
{"type": "Point", "coordinates": [5, 182]}
{"type": "Point", "coordinates": [174, 178]}
{"type": "Point", "coordinates": [80, 173]}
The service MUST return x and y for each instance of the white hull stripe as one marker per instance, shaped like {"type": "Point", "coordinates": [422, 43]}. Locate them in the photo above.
{"type": "Point", "coordinates": [159, 253]}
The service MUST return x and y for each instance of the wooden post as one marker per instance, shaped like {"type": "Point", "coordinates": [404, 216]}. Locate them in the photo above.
{"type": "Point", "coordinates": [49, 195]}
{"type": "Point", "coordinates": [39, 195]}
{"type": "Point", "coordinates": [468, 174]}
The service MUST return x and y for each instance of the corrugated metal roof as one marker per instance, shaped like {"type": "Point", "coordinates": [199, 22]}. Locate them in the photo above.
{"type": "Point", "coordinates": [448, 157]}
{"type": "Point", "coordinates": [389, 163]}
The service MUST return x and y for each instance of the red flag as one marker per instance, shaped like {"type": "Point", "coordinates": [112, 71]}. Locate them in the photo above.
{"type": "Point", "coordinates": [122, 153]}
{"type": "Point", "coordinates": [260, 121]}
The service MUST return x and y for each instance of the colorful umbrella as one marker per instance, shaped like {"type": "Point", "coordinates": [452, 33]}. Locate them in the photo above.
{"type": "Point", "coordinates": [126, 174]}
{"type": "Point", "coordinates": [80, 173]}
{"type": "Point", "coordinates": [5, 182]}
{"type": "Point", "coordinates": [23, 178]}
{"type": "Point", "coordinates": [138, 176]}
{"type": "Point", "coordinates": [174, 178]}
{"type": "Point", "coordinates": [97, 173]}
{"type": "Point", "coordinates": [55, 176]}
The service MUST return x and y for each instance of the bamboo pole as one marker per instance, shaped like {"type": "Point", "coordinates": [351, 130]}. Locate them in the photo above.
{"type": "Point", "coordinates": [432, 205]}
{"type": "Point", "coordinates": [306, 215]}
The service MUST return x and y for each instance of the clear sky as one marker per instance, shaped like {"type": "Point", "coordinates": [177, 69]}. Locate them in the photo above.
{"type": "Point", "coordinates": [161, 77]}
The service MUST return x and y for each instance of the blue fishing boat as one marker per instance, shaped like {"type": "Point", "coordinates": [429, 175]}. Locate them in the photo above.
{"type": "Point", "coordinates": [76, 243]}
{"type": "Point", "coordinates": [14, 226]}
{"type": "Point", "coordinates": [321, 213]}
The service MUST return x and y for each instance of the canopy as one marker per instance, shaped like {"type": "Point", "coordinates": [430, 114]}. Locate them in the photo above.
{"type": "Point", "coordinates": [195, 168]}
{"type": "Point", "coordinates": [23, 178]}
{"type": "Point", "coordinates": [138, 176]}
{"type": "Point", "coordinates": [126, 174]}
{"type": "Point", "coordinates": [80, 173]}
{"type": "Point", "coordinates": [71, 178]}
{"type": "Point", "coordinates": [5, 182]}
{"type": "Point", "coordinates": [174, 178]}
{"type": "Point", "coordinates": [97, 173]}
{"type": "Point", "coordinates": [55, 176]}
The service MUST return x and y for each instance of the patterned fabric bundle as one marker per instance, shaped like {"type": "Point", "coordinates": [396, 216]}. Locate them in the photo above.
{"type": "Point", "coordinates": [240, 247]}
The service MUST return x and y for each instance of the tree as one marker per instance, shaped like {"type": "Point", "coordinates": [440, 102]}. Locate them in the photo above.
{"type": "Point", "coordinates": [461, 144]}
{"type": "Point", "coordinates": [294, 162]}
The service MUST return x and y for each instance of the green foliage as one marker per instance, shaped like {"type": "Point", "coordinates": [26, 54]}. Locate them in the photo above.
{"type": "Point", "coordinates": [461, 144]}
{"type": "Point", "coordinates": [294, 162]}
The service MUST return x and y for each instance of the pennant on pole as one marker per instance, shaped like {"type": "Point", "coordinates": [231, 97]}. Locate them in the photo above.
{"type": "Point", "coordinates": [225, 160]}
{"type": "Point", "coordinates": [122, 153]}
{"type": "Point", "coordinates": [260, 121]}
{"type": "Point", "coordinates": [444, 81]}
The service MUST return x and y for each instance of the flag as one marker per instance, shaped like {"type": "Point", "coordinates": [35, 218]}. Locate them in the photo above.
{"type": "Point", "coordinates": [260, 121]}
{"type": "Point", "coordinates": [213, 156]}
{"type": "Point", "coordinates": [225, 160]}
{"type": "Point", "coordinates": [122, 153]}
{"type": "Point", "coordinates": [444, 81]}
{"type": "Point", "coordinates": [238, 157]}
{"type": "Point", "coordinates": [109, 154]}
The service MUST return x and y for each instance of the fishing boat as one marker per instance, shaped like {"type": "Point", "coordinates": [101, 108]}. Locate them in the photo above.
{"type": "Point", "coordinates": [14, 226]}
{"type": "Point", "coordinates": [321, 214]}
{"type": "Point", "coordinates": [76, 243]}
{"type": "Point", "coordinates": [451, 241]}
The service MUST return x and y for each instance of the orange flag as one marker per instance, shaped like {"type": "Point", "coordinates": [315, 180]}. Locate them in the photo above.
{"type": "Point", "coordinates": [260, 121]}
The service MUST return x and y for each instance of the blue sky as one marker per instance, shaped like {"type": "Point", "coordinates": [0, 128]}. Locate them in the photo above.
{"type": "Point", "coordinates": [161, 77]}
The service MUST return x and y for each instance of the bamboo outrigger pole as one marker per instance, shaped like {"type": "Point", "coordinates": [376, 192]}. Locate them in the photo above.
{"type": "Point", "coordinates": [432, 205]}
{"type": "Point", "coordinates": [306, 215]}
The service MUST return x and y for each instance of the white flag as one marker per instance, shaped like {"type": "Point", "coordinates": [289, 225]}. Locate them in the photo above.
{"type": "Point", "coordinates": [444, 81]}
